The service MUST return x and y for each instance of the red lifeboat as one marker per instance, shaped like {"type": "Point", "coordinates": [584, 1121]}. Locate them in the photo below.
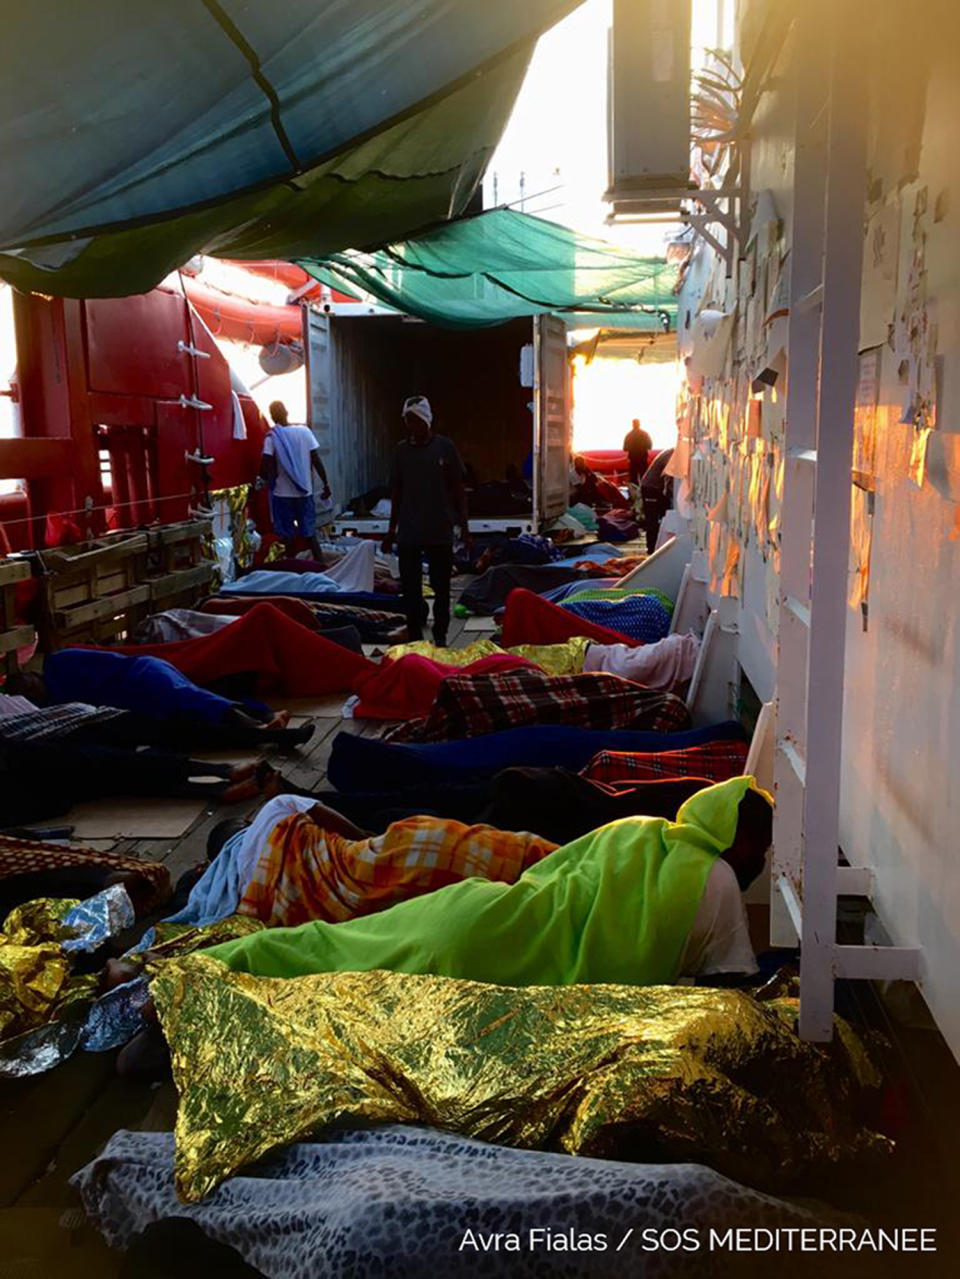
{"type": "Point", "coordinates": [242, 320]}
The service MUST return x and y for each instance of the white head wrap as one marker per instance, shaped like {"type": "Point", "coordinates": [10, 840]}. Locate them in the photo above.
{"type": "Point", "coordinates": [420, 405]}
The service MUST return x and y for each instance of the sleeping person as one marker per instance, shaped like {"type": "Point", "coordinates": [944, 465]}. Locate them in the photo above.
{"type": "Point", "coordinates": [154, 694]}
{"type": "Point", "coordinates": [642, 901]}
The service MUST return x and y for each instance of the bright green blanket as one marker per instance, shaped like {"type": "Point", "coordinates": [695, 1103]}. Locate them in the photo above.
{"type": "Point", "coordinates": [616, 905]}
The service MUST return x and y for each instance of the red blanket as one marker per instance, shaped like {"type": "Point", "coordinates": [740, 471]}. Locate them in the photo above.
{"type": "Point", "coordinates": [530, 619]}
{"type": "Point", "coordinates": [291, 660]}
{"type": "Point", "coordinates": [406, 688]}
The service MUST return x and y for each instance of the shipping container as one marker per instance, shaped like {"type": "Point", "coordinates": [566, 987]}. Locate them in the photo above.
{"type": "Point", "coordinates": [503, 395]}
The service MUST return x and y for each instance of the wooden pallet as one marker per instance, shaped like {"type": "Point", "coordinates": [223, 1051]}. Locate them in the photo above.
{"type": "Point", "coordinates": [95, 591]}
{"type": "Point", "coordinates": [102, 590]}
{"type": "Point", "coordinates": [179, 573]}
{"type": "Point", "coordinates": [12, 636]}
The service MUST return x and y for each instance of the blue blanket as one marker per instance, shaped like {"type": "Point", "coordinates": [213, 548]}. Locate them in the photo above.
{"type": "Point", "coordinates": [147, 686]}
{"type": "Point", "coordinates": [359, 763]}
{"type": "Point", "coordinates": [641, 617]}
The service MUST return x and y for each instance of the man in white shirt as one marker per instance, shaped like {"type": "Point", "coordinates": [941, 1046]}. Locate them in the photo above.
{"type": "Point", "coordinates": [291, 455]}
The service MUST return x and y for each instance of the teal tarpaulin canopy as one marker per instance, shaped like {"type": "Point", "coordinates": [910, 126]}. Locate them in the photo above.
{"type": "Point", "coordinates": [135, 134]}
{"type": "Point", "coordinates": [501, 264]}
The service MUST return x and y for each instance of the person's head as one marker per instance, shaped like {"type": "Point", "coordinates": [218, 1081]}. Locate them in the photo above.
{"type": "Point", "coordinates": [417, 418]}
{"type": "Point", "coordinates": [747, 854]}
{"type": "Point", "coordinates": [580, 465]}
{"type": "Point", "coordinates": [635, 425]}
{"type": "Point", "coordinates": [221, 833]}
{"type": "Point", "coordinates": [278, 413]}
{"type": "Point", "coordinates": [28, 685]}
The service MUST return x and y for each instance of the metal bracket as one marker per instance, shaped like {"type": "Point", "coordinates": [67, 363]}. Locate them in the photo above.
{"type": "Point", "coordinates": [186, 349]}
{"type": "Point", "coordinates": [715, 215]}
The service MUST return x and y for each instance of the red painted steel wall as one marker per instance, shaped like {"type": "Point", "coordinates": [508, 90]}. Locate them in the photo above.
{"type": "Point", "coordinates": [109, 373]}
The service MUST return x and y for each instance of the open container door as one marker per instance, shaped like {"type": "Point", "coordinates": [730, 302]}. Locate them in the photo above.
{"type": "Point", "coordinates": [552, 400]}
{"type": "Point", "coordinates": [316, 345]}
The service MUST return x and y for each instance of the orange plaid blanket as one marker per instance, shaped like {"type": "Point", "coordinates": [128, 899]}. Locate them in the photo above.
{"type": "Point", "coordinates": [308, 873]}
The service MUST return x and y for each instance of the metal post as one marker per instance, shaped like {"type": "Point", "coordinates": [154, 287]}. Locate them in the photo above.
{"type": "Point", "coordinates": [842, 258]}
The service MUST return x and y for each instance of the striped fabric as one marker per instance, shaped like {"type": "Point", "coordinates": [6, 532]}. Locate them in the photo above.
{"type": "Point", "coordinates": [306, 873]}
{"type": "Point", "coordinates": [714, 761]}
{"type": "Point", "coordinates": [473, 705]}
{"type": "Point", "coordinates": [49, 722]}
{"type": "Point", "coordinates": [31, 857]}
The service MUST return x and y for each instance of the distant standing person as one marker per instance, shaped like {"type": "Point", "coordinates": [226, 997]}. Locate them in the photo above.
{"type": "Point", "coordinates": [637, 444]}
{"type": "Point", "coordinates": [291, 455]}
{"type": "Point", "coordinates": [429, 498]}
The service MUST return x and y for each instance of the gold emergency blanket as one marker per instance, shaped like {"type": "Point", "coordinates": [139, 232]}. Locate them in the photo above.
{"type": "Point", "coordinates": [556, 659]}
{"type": "Point", "coordinates": [35, 980]}
{"type": "Point", "coordinates": [649, 1073]}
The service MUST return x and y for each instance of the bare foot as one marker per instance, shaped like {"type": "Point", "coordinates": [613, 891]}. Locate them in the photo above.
{"type": "Point", "coordinates": [237, 792]}
{"type": "Point", "coordinates": [280, 720]}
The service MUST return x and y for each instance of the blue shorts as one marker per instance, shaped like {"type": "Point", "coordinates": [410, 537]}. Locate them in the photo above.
{"type": "Point", "coordinates": [293, 515]}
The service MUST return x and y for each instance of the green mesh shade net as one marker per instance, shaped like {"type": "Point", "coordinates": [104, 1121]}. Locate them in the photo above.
{"type": "Point", "coordinates": [133, 136]}
{"type": "Point", "coordinates": [502, 264]}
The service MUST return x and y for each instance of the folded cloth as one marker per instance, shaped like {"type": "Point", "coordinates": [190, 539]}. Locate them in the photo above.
{"type": "Point", "coordinates": [470, 704]}
{"type": "Point", "coordinates": [306, 872]}
{"type": "Point", "coordinates": [357, 761]}
{"type": "Point", "coordinates": [528, 619]}
{"type": "Point", "coordinates": [717, 760]}
{"type": "Point", "coordinates": [665, 664]}
{"type": "Point", "coordinates": [290, 660]}
{"type": "Point", "coordinates": [317, 1207]}
{"type": "Point", "coordinates": [406, 689]}
{"type": "Point", "coordinates": [488, 592]}
{"type": "Point", "coordinates": [641, 618]}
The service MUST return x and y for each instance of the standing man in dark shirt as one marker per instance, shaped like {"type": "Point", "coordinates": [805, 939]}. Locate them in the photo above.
{"type": "Point", "coordinates": [428, 500]}
{"type": "Point", "coordinates": [637, 445]}
{"type": "Point", "coordinates": [656, 492]}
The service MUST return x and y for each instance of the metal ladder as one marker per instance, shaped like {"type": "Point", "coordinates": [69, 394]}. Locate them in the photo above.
{"type": "Point", "coordinates": [826, 255]}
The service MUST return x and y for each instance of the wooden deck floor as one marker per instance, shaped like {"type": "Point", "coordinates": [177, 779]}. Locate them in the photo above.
{"type": "Point", "coordinates": [53, 1124]}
